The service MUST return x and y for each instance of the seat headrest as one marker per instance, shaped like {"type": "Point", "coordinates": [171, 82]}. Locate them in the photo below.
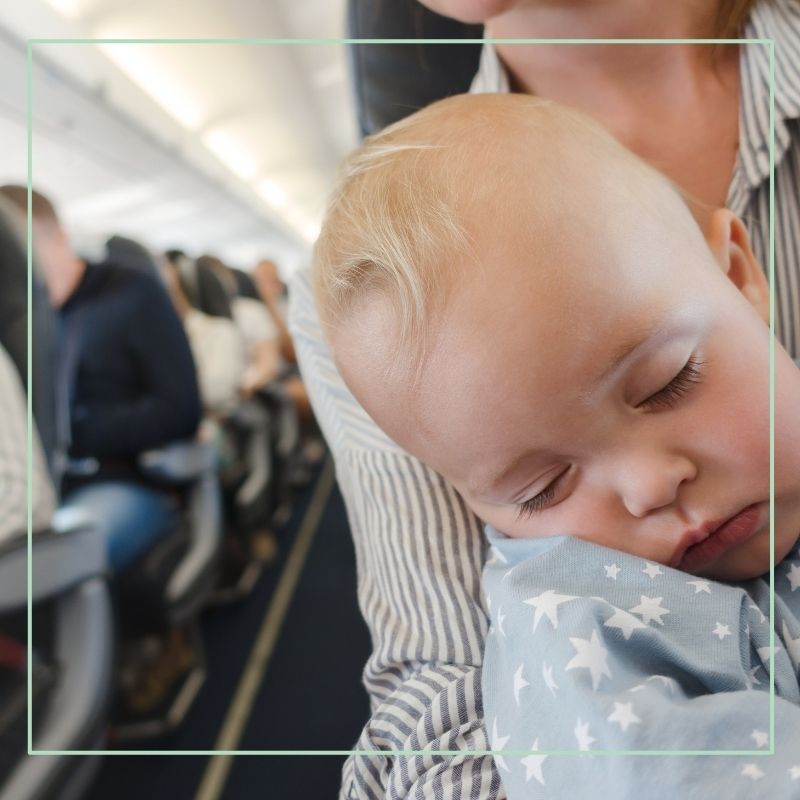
{"type": "Point", "coordinates": [392, 81]}
{"type": "Point", "coordinates": [129, 253]}
{"type": "Point", "coordinates": [203, 287]}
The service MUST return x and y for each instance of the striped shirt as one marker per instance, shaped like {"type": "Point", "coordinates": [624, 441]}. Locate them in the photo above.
{"type": "Point", "coordinates": [420, 551]}
{"type": "Point", "coordinates": [14, 461]}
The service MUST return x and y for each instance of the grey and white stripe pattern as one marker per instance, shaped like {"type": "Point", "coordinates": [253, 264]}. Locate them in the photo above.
{"type": "Point", "coordinates": [749, 192]}
{"type": "Point", "coordinates": [14, 461]}
{"type": "Point", "coordinates": [420, 551]}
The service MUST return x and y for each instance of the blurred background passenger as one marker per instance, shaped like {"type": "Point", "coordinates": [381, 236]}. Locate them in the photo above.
{"type": "Point", "coordinates": [272, 291]}
{"type": "Point", "coordinates": [256, 327]}
{"type": "Point", "coordinates": [216, 342]}
{"type": "Point", "coordinates": [126, 384]}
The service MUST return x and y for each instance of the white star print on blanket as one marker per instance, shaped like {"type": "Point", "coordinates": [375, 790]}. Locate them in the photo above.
{"type": "Point", "coordinates": [603, 651]}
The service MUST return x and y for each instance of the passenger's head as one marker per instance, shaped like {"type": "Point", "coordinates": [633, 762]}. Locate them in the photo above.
{"type": "Point", "coordinates": [62, 270]}
{"type": "Point", "coordinates": [533, 312]}
{"type": "Point", "coordinates": [174, 255]}
{"type": "Point", "coordinates": [268, 280]}
{"type": "Point", "coordinates": [222, 271]}
{"type": "Point", "coordinates": [175, 283]}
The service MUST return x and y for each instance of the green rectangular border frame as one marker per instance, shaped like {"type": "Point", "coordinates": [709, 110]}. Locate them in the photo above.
{"type": "Point", "coordinates": [511, 753]}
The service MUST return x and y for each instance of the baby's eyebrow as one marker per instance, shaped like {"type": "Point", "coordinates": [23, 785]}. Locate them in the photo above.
{"type": "Point", "coordinates": [490, 481]}
{"type": "Point", "coordinates": [649, 335]}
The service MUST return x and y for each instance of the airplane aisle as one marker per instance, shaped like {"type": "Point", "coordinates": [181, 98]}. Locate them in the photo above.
{"type": "Point", "coordinates": [309, 697]}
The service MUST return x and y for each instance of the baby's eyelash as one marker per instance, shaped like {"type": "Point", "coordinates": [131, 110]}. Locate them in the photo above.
{"type": "Point", "coordinates": [678, 387]}
{"type": "Point", "coordinates": [539, 501]}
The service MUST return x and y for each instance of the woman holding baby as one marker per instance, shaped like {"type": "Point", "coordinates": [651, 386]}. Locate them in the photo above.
{"type": "Point", "coordinates": [699, 114]}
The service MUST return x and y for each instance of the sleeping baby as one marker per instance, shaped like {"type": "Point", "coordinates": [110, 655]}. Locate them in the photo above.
{"type": "Point", "coordinates": [533, 311]}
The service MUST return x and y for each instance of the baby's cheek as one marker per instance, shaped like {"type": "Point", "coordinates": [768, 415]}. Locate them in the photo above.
{"type": "Point", "coordinates": [749, 439]}
{"type": "Point", "coordinates": [507, 520]}
{"type": "Point", "coordinates": [787, 427]}
{"type": "Point", "coordinates": [500, 517]}
{"type": "Point", "coordinates": [739, 422]}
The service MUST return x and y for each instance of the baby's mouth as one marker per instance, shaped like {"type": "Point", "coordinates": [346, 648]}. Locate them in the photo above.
{"type": "Point", "coordinates": [708, 542]}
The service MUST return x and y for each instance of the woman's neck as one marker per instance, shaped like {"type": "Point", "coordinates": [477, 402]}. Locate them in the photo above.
{"type": "Point", "coordinates": [553, 70]}
{"type": "Point", "coordinates": [675, 105]}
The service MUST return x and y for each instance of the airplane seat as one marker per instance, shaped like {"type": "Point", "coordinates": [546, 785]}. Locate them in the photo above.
{"type": "Point", "coordinates": [130, 253]}
{"type": "Point", "coordinates": [393, 80]}
{"type": "Point", "coordinates": [71, 652]}
{"type": "Point", "coordinates": [203, 287]}
{"type": "Point", "coordinates": [286, 438]}
{"type": "Point", "coordinates": [163, 591]}
{"type": "Point", "coordinates": [170, 583]}
{"type": "Point", "coordinates": [253, 475]}
{"type": "Point", "coordinates": [14, 324]}
{"type": "Point", "coordinates": [71, 659]}
{"type": "Point", "coordinates": [245, 286]}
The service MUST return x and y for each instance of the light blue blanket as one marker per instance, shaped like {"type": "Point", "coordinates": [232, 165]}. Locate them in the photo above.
{"type": "Point", "coordinates": [593, 649]}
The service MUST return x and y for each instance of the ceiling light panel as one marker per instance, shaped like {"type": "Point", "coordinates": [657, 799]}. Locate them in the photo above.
{"type": "Point", "coordinates": [231, 152]}
{"type": "Point", "coordinates": [145, 66]}
{"type": "Point", "coordinates": [67, 8]}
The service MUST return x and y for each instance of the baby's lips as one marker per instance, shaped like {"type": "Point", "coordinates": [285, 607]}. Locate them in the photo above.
{"type": "Point", "coordinates": [712, 539]}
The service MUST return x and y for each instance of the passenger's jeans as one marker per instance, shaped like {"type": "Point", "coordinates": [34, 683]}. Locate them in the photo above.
{"type": "Point", "coordinates": [130, 517]}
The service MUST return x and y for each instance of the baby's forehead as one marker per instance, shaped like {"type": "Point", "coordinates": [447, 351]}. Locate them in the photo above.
{"type": "Point", "coordinates": [471, 190]}
{"type": "Point", "coordinates": [522, 155]}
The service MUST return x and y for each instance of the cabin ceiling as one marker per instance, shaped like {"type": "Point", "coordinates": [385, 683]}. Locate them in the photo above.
{"type": "Point", "coordinates": [227, 148]}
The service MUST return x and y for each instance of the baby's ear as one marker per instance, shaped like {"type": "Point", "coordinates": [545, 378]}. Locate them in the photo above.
{"type": "Point", "coordinates": [730, 245]}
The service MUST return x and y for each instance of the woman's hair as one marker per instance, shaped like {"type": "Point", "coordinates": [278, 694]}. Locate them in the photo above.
{"type": "Point", "coordinates": [728, 23]}
{"type": "Point", "coordinates": [731, 16]}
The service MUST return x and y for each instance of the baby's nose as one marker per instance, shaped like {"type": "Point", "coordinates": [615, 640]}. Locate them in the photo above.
{"type": "Point", "coordinates": [651, 482]}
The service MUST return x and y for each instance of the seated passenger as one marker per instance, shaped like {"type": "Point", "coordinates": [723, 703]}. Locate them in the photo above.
{"type": "Point", "coordinates": [534, 313]}
{"type": "Point", "coordinates": [272, 291]}
{"type": "Point", "coordinates": [217, 348]}
{"type": "Point", "coordinates": [127, 379]}
{"type": "Point", "coordinates": [257, 328]}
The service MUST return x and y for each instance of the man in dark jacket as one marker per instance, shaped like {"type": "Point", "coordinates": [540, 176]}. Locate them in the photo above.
{"type": "Point", "coordinates": [126, 381]}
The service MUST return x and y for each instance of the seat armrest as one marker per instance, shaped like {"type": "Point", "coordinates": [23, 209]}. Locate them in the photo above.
{"type": "Point", "coordinates": [59, 562]}
{"type": "Point", "coordinates": [249, 415]}
{"type": "Point", "coordinates": [181, 462]}
{"type": "Point", "coordinates": [71, 519]}
{"type": "Point", "coordinates": [77, 709]}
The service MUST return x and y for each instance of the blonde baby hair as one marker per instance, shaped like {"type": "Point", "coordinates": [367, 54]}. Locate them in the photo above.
{"type": "Point", "coordinates": [398, 221]}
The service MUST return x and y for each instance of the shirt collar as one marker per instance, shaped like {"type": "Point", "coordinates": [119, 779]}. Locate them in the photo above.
{"type": "Point", "coordinates": [491, 76]}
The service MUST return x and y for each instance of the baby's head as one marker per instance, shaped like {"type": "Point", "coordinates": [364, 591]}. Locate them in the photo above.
{"type": "Point", "coordinates": [533, 312]}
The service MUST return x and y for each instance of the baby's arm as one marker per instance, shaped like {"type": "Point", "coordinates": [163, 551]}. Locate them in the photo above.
{"type": "Point", "coordinates": [592, 649]}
